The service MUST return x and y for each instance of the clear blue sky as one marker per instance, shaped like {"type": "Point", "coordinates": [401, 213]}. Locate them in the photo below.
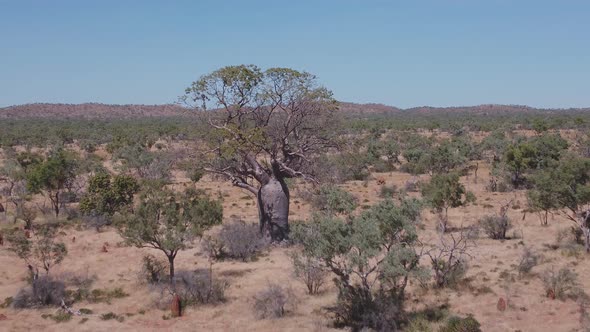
{"type": "Point", "coordinates": [404, 53]}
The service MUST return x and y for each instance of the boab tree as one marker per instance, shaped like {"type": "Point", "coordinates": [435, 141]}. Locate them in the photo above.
{"type": "Point", "coordinates": [268, 125]}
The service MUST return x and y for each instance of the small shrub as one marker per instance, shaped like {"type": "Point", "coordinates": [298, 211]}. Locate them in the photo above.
{"type": "Point", "coordinates": [383, 166]}
{"type": "Point", "coordinates": [273, 301]}
{"type": "Point", "coordinates": [43, 291]}
{"type": "Point", "coordinates": [419, 324]}
{"type": "Point", "coordinates": [237, 240]}
{"type": "Point", "coordinates": [569, 236]}
{"type": "Point", "coordinates": [27, 214]}
{"type": "Point", "coordinates": [112, 315]}
{"type": "Point", "coordinates": [310, 271]}
{"type": "Point", "coordinates": [388, 191]}
{"type": "Point", "coordinates": [332, 200]}
{"type": "Point", "coordinates": [7, 302]}
{"type": "Point", "coordinates": [495, 226]}
{"type": "Point", "coordinates": [85, 311]}
{"type": "Point", "coordinates": [458, 324]}
{"type": "Point", "coordinates": [562, 284]}
{"type": "Point", "coordinates": [78, 279]}
{"type": "Point", "coordinates": [412, 185]}
{"type": "Point", "coordinates": [153, 270]}
{"type": "Point", "coordinates": [199, 287]}
{"type": "Point", "coordinates": [528, 260]}
{"type": "Point", "coordinates": [449, 259]}
{"type": "Point", "coordinates": [61, 316]}
{"type": "Point", "coordinates": [448, 273]}
{"type": "Point", "coordinates": [95, 295]}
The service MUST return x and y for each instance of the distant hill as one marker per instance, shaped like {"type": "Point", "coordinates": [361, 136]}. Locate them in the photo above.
{"type": "Point", "coordinates": [106, 111]}
{"type": "Point", "coordinates": [90, 111]}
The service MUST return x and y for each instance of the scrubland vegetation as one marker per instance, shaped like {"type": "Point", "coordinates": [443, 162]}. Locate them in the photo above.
{"type": "Point", "coordinates": [269, 208]}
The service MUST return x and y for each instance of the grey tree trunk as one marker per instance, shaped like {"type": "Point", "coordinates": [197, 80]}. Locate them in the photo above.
{"type": "Point", "coordinates": [273, 208]}
{"type": "Point", "coordinates": [586, 232]}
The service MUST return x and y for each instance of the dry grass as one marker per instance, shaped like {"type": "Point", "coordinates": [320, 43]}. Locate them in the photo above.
{"type": "Point", "coordinates": [490, 275]}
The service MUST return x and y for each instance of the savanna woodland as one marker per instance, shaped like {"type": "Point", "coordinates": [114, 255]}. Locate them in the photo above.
{"type": "Point", "coordinates": [259, 202]}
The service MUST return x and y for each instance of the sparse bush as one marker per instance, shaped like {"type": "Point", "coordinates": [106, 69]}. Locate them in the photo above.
{"type": "Point", "coordinates": [448, 259]}
{"type": "Point", "coordinates": [388, 191]}
{"type": "Point", "coordinates": [495, 226]}
{"type": "Point", "coordinates": [44, 291]}
{"type": "Point", "coordinates": [310, 271]}
{"type": "Point", "coordinates": [27, 214]}
{"type": "Point", "coordinates": [528, 260]}
{"type": "Point", "coordinates": [383, 166]}
{"type": "Point", "coordinates": [562, 284]}
{"type": "Point", "coordinates": [333, 200]}
{"type": "Point", "coordinates": [42, 250]}
{"type": "Point", "coordinates": [273, 302]}
{"type": "Point", "coordinates": [200, 287]}
{"type": "Point", "coordinates": [570, 241]}
{"type": "Point", "coordinates": [96, 220]}
{"type": "Point", "coordinates": [153, 270]}
{"type": "Point", "coordinates": [458, 324]}
{"type": "Point", "coordinates": [412, 185]}
{"type": "Point", "coordinates": [237, 240]}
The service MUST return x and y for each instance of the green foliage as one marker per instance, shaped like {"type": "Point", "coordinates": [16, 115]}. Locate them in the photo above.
{"type": "Point", "coordinates": [196, 174]}
{"type": "Point", "coordinates": [376, 245]}
{"type": "Point", "coordinates": [564, 186]}
{"type": "Point", "coordinates": [145, 163]}
{"type": "Point", "coordinates": [333, 200]}
{"type": "Point", "coordinates": [444, 191]}
{"type": "Point", "coordinates": [495, 143]}
{"type": "Point", "coordinates": [444, 158]}
{"type": "Point", "coordinates": [458, 324]}
{"type": "Point", "coordinates": [111, 316]}
{"type": "Point", "coordinates": [540, 126]}
{"type": "Point", "coordinates": [96, 295]}
{"type": "Point", "coordinates": [388, 148]}
{"type": "Point", "coordinates": [426, 155]}
{"type": "Point", "coordinates": [42, 250]}
{"type": "Point", "coordinates": [107, 195]}
{"type": "Point", "coordinates": [542, 198]}
{"type": "Point", "coordinates": [53, 176]}
{"type": "Point", "coordinates": [170, 221]}
{"type": "Point", "coordinates": [537, 153]}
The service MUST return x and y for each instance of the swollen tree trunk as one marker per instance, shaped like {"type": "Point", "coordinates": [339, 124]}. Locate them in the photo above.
{"type": "Point", "coordinates": [273, 208]}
